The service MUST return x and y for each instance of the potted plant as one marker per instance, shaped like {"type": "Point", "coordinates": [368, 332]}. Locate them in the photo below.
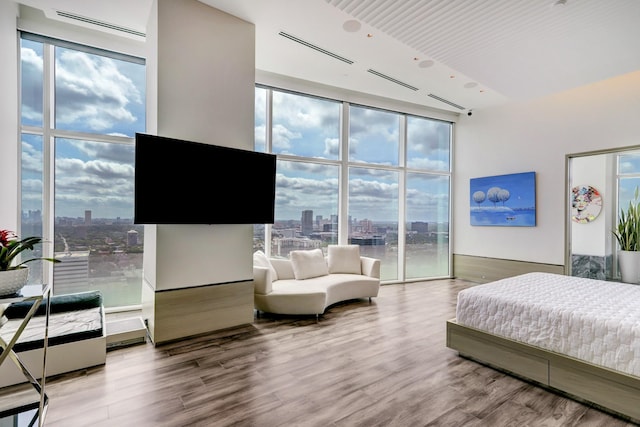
{"type": "Point", "coordinates": [14, 277]}
{"type": "Point", "coordinates": [627, 234]}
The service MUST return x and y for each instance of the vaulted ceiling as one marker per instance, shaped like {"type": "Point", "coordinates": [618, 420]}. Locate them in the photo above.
{"type": "Point", "coordinates": [454, 55]}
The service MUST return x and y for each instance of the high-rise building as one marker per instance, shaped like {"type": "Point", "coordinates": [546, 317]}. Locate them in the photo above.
{"type": "Point", "coordinates": [420, 226]}
{"type": "Point", "coordinates": [366, 226]}
{"type": "Point", "coordinates": [87, 217]}
{"type": "Point", "coordinates": [306, 222]}
{"type": "Point", "coordinates": [132, 238]}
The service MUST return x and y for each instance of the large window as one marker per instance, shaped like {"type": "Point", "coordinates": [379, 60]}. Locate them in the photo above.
{"type": "Point", "coordinates": [80, 110]}
{"type": "Point", "coordinates": [359, 175]}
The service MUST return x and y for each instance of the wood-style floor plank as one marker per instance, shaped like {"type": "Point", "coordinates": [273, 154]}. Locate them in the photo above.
{"type": "Point", "coordinates": [382, 363]}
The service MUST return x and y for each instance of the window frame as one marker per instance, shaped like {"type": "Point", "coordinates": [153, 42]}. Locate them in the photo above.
{"type": "Point", "coordinates": [49, 133]}
{"type": "Point", "coordinates": [345, 163]}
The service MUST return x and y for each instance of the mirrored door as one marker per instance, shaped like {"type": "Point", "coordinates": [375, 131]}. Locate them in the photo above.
{"type": "Point", "coordinates": [597, 185]}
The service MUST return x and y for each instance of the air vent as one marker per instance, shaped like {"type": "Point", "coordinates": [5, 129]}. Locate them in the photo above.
{"type": "Point", "coordinates": [312, 46]}
{"type": "Point", "coordinates": [391, 79]}
{"type": "Point", "coordinates": [102, 24]}
{"type": "Point", "coordinates": [446, 102]}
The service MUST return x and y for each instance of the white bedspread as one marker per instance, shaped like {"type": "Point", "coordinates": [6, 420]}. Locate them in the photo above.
{"type": "Point", "coordinates": [591, 320]}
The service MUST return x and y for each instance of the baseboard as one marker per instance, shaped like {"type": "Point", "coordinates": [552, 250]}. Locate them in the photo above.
{"type": "Point", "coordinates": [483, 269]}
{"type": "Point", "coordinates": [125, 332]}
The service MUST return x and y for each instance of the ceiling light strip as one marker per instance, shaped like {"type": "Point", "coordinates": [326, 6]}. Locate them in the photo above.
{"type": "Point", "coordinates": [391, 79]}
{"type": "Point", "coordinates": [99, 23]}
{"type": "Point", "coordinates": [446, 102]}
{"type": "Point", "coordinates": [312, 46]}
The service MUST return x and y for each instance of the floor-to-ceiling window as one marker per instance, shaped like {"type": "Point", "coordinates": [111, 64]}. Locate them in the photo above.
{"type": "Point", "coordinates": [428, 185]}
{"type": "Point", "coordinates": [80, 109]}
{"type": "Point", "coordinates": [374, 185]}
{"type": "Point", "coordinates": [360, 175]}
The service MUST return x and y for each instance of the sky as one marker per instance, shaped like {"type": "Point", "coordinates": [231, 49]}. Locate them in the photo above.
{"type": "Point", "coordinates": [310, 127]}
{"type": "Point", "coordinates": [97, 94]}
{"type": "Point", "coordinates": [93, 94]}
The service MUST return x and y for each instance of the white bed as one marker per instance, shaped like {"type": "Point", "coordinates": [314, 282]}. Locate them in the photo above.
{"type": "Point", "coordinates": [575, 335]}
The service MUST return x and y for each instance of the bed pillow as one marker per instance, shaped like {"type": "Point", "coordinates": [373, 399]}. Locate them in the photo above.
{"type": "Point", "coordinates": [260, 260]}
{"type": "Point", "coordinates": [308, 263]}
{"type": "Point", "coordinates": [344, 259]}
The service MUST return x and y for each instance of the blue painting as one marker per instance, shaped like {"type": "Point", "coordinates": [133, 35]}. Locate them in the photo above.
{"type": "Point", "coordinates": [504, 200]}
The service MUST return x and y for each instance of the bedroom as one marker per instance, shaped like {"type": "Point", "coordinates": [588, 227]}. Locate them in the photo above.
{"type": "Point", "coordinates": [533, 135]}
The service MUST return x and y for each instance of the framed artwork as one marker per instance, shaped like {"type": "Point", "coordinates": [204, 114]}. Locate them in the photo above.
{"type": "Point", "coordinates": [586, 204]}
{"type": "Point", "coordinates": [504, 200]}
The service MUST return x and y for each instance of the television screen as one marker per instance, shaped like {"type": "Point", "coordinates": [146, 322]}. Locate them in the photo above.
{"type": "Point", "coordinates": [186, 182]}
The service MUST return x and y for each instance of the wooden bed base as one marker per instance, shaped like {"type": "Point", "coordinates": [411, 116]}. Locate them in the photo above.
{"type": "Point", "coordinates": [606, 389]}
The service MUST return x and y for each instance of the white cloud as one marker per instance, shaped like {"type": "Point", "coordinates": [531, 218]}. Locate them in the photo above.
{"type": "Point", "coordinates": [92, 90]}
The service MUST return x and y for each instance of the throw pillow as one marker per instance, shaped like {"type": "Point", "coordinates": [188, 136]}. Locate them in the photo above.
{"type": "Point", "coordinates": [308, 263]}
{"type": "Point", "coordinates": [260, 259]}
{"type": "Point", "coordinates": [344, 259]}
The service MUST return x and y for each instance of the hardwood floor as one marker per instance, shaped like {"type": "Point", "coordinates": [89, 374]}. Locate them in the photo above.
{"type": "Point", "coordinates": [363, 364]}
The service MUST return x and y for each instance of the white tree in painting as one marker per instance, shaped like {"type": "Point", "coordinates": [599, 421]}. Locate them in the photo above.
{"type": "Point", "coordinates": [493, 195]}
{"type": "Point", "coordinates": [479, 197]}
{"type": "Point", "coordinates": [503, 195]}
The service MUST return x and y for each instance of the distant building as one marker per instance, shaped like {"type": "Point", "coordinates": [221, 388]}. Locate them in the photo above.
{"type": "Point", "coordinates": [72, 273]}
{"type": "Point", "coordinates": [420, 226]}
{"type": "Point", "coordinates": [87, 217]}
{"type": "Point", "coordinates": [329, 227]}
{"type": "Point", "coordinates": [132, 238]}
{"type": "Point", "coordinates": [367, 240]}
{"type": "Point", "coordinates": [366, 226]}
{"type": "Point", "coordinates": [306, 223]}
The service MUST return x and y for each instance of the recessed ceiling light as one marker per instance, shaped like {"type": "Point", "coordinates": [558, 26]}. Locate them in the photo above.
{"type": "Point", "coordinates": [351, 26]}
{"type": "Point", "coordinates": [426, 64]}
{"type": "Point", "coordinates": [470, 85]}
{"type": "Point", "coordinates": [370, 35]}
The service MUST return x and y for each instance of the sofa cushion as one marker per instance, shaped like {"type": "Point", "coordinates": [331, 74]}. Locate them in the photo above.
{"type": "Point", "coordinates": [283, 267]}
{"type": "Point", "coordinates": [308, 263]}
{"type": "Point", "coordinates": [344, 259]}
{"type": "Point", "coordinates": [261, 260]}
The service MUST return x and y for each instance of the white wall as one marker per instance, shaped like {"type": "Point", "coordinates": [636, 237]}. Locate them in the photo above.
{"type": "Point", "coordinates": [536, 136]}
{"type": "Point", "coordinates": [9, 160]}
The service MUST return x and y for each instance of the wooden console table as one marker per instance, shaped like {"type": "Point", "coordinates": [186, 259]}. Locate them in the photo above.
{"type": "Point", "coordinates": [25, 400]}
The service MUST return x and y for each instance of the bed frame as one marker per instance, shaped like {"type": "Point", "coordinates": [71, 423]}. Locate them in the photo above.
{"type": "Point", "coordinates": [603, 388]}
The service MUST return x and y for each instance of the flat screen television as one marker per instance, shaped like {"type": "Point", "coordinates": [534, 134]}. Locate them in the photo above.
{"type": "Point", "coordinates": [186, 182]}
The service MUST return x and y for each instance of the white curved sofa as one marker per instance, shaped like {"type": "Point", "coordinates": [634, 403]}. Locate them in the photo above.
{"type": "Point", "coordinates": [308, 282]}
